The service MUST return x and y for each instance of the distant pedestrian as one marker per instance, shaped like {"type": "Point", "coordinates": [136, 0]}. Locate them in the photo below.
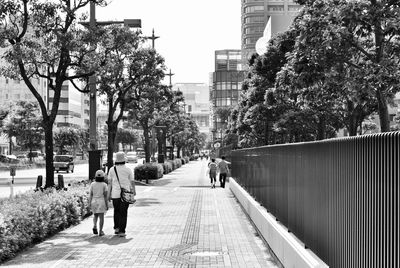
{"type": "Point", "coordinates": [98, 201]}
{"type": "Point", "coordinates": [212, 172]}
{"type": "Point", "coordinates": [223, 171]}
{"type": "Point", "coordinates": [120, 176]}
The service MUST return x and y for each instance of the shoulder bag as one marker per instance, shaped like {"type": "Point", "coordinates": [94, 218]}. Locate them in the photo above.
{"type": "Point", "coordinates": [127, 196]}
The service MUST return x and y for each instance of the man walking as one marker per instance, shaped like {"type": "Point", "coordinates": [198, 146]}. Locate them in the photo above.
{"type": "Point", "coordinates": [223, 171]}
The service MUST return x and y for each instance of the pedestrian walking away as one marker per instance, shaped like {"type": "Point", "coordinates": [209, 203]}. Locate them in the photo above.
{"type": "Point", "coordinates": [120, 176]}
{"type": "Point", "coordinates": [223, 171]}
{"type": "Point", "coordinates": [98, 194]}
{"type": "Point", "coordinates": [212, 172]}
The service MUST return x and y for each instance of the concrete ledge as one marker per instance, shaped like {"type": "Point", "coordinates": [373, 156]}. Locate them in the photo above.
{"type": "Point", "coordinates": [286, 246]}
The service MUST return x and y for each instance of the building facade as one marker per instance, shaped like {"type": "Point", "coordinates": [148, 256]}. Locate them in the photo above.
{"type": "Point", "coordinates": [196, 103]}
{"type": "Point", "coordinates": [225, 85]}
{"type": "Point", "coordinates": [264, 18]}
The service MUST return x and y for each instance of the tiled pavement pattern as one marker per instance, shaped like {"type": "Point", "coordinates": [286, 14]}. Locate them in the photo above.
{"type": "Point", "coordinates": [177, 222]}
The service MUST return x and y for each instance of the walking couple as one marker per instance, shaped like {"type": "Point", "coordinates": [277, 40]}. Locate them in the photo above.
{"type": "Point", "coordinates": [119, 177]}
{"type": "Point", "coordinates": [223, 169]}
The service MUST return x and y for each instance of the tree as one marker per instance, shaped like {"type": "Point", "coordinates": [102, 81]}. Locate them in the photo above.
{"type": "Point", "coordinates": [64, 137]}
{"type": "Point", "coordinates": [42, 41]}
{"type": "Point", "coordinates": [127, 137]}
{"type": "Point", "coordinates": [364, 37]}
{"type": "Point", "coordinates": [24, 123]}
{"type": "Point", "coordinates": [148, 95]}
{"type": "Point", "coordinates": [118, 77]}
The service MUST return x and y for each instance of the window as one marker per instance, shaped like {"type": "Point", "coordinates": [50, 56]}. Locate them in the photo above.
{"type": "Point", "coordinates": [251, 40]}
{"type": "Point", "coordinates": [253, 9]}
{"type": "Point", "coordinates": [293, 8]}
{"type": "Point", "coordinates": [274, 8]}
{"type": "Point", "coordinates": [254, 19]}
{"type": "Point", "coordinates": [221, 66]}
{"type": "Point", "coordinates": [222, 57]}
{"type": "Point", "coordinates": [255, 29]}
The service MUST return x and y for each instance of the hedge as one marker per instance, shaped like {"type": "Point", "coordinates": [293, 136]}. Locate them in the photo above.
{"type": "Point", "coordinates": [167, 166]}
{"type": "Point", "coordinates": [187, 159]}
{"type": "Point", "coordinates": [148, 171]}
{"type": "Point", "coordinates": [31, 217]}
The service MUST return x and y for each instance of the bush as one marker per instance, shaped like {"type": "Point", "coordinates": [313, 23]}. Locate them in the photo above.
{"type": "Point", "coordinates": [31, 217]}
{"type": "Point", "coordinates": [183, 161]}
{"type": "Point", "coordinates": [187, 159]}
{"type": "Point", "coordinates": [148, 171]}
{"type": "Point", "coordinates": [167, 166]}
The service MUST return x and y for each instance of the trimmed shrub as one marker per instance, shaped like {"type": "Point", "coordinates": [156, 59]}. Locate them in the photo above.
{"type": "Point", "coordinates": [167, 166]}
{"type": "Point", "coordinates": [183, 161]}
{"type": "Point", "coordinates": [33, 216]}
{"type": "Point", "coordinates": [187, 159]}
{"type": "Point", "coordinates": [148, 171]}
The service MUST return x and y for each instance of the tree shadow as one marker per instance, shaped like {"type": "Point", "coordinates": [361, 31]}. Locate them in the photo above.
{"type": "Point", "coordinates": [146, 202]}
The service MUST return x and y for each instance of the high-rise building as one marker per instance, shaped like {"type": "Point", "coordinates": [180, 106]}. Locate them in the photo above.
{"type": "Point", "coordinates": [225, 84]}
{"type": "Point", "coordinates": [264, 17]}
{"type": "Point", "coordinates": [196, 103]}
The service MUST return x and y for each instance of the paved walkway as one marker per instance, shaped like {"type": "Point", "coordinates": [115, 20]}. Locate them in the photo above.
{"type": "Point", "coordinates": [177, 222]}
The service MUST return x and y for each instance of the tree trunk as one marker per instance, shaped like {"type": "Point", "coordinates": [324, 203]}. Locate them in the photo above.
{"type": "Point", "coordinates": [48, 141]}
{"type": "Point", "coordinates": [321, 128]}
{"type": "Point", "coordinates": [383, 111]}
{"type": "Point", "coordinates": [146, 144]}
{"type": "Point", "coordinates": [178, 152]}
{"type": "Point", "coordinates": [112, 133]}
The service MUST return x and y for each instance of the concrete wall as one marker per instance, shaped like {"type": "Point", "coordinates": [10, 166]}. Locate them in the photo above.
{"type": "Point", "coordinates": [289, 250]}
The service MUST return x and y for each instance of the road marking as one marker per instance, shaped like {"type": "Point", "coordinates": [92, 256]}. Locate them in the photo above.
{"type": "Point", "coordinates": [220, 227]}
{"type": "Point", "coordinates": [148, 189]}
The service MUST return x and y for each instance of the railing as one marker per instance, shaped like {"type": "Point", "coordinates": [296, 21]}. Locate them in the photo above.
{"type": "Point", "coordinates": [340, 197]}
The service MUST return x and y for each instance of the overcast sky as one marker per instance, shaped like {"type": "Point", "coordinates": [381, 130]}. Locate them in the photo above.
{"type": "Point", "coordinates": [190, 31]}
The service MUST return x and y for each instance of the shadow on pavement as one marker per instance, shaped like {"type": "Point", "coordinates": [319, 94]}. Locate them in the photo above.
{"type": "Point", "coordinates": [146, 202]}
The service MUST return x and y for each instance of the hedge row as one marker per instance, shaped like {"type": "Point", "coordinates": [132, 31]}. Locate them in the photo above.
{"type": "Point", "coordinates": [31, 217]}
{"type": "Point", "coordinates": [148, 171]}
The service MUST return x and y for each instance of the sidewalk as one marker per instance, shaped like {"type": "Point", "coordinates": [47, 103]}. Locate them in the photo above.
{"type": "Point", "coordinates": [177, 222]}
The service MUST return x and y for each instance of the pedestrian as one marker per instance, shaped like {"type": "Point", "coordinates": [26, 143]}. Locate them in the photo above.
{"type": "Point", "coordinates": [223, 171]}
{"type": "Point", "coordinates": [120, 176]}
{"type": "Point", "coordinates": [98, 200]}
{"type": "Point", "coordinates": [212, 172]}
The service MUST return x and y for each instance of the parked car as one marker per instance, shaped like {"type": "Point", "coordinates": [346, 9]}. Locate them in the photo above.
{"type": "Point", "coordinates": [64, 162]}
{"type": "Point", "coordinates": [36, 154]}
{"type": "Point", "coordinates": [131, 157]}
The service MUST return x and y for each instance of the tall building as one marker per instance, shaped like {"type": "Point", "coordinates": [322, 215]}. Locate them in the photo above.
{"type": "Point", "coordinates": [225, 84]}
{"type": "Point", "coordinates": [264, 17]}
{"type": "Point", "coordinates": [197, 103]}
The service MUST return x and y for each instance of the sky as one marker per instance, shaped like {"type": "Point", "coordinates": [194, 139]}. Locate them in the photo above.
{"type": "Point", "coordinates": [190, 31]}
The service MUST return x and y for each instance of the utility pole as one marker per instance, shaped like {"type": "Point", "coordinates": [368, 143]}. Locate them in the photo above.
{"type": "Point", "coordinates": [170, 77]}
{"type": "Point", "coordinates": [94, 152]}
{"type": "Point", "coordinates": [153, 130]}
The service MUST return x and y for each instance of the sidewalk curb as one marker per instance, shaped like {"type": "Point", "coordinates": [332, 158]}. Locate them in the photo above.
{"type": "Point", "coordinates": [287, 247]}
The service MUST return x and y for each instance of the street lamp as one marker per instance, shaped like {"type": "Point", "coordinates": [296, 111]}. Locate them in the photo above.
{"type": "Point", "coordinates": [161, 142]}
{"type": "Point", "coordinates": [94, 152]}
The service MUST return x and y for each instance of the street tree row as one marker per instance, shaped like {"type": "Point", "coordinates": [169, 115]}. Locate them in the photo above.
{"type": "Point", "coordinates": [337, 65]}
{"type": "Point", "coordinates": [44, 40]}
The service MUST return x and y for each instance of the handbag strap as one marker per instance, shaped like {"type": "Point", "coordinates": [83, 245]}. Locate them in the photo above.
{"type": "Point", "coordinates": [116, 173]}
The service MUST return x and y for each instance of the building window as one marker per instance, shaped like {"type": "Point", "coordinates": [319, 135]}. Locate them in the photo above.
{"type": "Point", "coordinates": [293, 8]}
{"type": "Point", "coordinates": [275, 8]}
{"type": "Point", "coordinates": [221, 65]}
{"type": "Point", "coordinates": [253, 30]}
{"type": "Point", "coordinates": [254, 19]}
{"type": "Point", "coordinates": [251, 40]}
{"type": "Point", "coordinates": [253, 9]}
{"type": "Point", "coordinates": [222, 57]}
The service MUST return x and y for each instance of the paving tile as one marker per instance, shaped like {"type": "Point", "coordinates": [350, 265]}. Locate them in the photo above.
{"type": "Point", "coordinates": [177, 222]}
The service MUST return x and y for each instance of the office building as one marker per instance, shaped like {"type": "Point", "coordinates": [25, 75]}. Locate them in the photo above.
{"type": "Point", "coordinates": [225, 85]}
{"type": "Point", "coordinates": [196, 103]}
{"type": "Point", "coordinates": [264, 18]}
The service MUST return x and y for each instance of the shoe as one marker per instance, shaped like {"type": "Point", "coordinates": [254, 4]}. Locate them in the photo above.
{"type": "Point", "coordinates": [116, 231]}
{"type": "Point", "coordinates": [101, 233]}
{"type": "Point", "coordinates": [95, 231]}
{"type": "Point", "coordinates": [121, 234]}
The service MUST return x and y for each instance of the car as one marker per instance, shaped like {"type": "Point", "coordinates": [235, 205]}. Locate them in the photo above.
{"type": "Point", "coordinates": [64, 162]}
{"type": "Point", "coordinates": [131, 157]}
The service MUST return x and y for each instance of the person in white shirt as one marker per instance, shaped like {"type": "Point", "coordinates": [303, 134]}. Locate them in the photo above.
{"type": "Point", "coordinates": [120, 176]}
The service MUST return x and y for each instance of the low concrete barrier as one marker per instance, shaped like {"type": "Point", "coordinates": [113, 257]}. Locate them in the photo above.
{"type": "Point", "coordinates": [286, 246]}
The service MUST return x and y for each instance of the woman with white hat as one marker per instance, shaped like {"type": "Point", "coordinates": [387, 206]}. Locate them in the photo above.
{"type": "Point", "coordinates": [120, 176]}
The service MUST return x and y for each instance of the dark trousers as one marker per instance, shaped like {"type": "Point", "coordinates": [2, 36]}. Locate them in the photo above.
{"type": "Point", "coordinates": [120, 214]}
{"type": "Point", "coordinates": [213, 177]}
{"type": "Point", "coordinates": [222, 179]}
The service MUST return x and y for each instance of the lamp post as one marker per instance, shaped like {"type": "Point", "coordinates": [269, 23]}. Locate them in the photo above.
{"type": "Point", "coordinates": [161, 142]}
{"type": "Point", "coordinates": [94, 152]}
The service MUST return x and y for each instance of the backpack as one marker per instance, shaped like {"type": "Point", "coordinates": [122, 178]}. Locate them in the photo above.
{"type": "Point", "coordinates": [213, 167]}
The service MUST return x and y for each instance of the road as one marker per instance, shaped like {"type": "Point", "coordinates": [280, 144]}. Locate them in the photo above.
{"type": "Point", "coordinates": [26, 179]}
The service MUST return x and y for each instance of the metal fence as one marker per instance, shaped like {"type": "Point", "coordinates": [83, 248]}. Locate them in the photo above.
{"type": "Point", "coordinates": [340, 196]}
